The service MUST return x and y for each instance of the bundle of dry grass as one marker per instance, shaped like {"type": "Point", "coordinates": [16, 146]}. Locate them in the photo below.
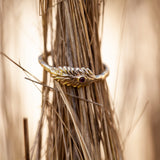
{"type": "Point", "coordinates": [78, 128]}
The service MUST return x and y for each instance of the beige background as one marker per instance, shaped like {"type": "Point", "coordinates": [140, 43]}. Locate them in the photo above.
{"type": "Point", "coordinates": [129, 47]}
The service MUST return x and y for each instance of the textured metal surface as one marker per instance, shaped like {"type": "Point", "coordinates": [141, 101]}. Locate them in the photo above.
{"type": "Point", "coordinates": [75, 77]}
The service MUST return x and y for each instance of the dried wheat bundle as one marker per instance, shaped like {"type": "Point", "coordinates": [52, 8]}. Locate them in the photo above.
{"type": "Point", "coordinates": [76, 129]}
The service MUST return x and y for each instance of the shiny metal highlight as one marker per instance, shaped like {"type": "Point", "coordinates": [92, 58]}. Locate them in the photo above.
{"type": "Point", "coordinates": [75, 77]}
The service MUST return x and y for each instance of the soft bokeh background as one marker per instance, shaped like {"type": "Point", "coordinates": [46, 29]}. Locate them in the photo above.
{"type": "Point", "coordinates": [130, 47]}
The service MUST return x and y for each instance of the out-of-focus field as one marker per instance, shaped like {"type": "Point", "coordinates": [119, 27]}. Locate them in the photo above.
{"type": "Point", "coordinates": [130, 47]}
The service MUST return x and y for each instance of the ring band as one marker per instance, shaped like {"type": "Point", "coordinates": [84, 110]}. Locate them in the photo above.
{"type": "Point", "coordinates": [75, 77]}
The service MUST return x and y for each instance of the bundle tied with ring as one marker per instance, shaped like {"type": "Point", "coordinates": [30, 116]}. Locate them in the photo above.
{"type": "Point", "coordinates": [70, 76]}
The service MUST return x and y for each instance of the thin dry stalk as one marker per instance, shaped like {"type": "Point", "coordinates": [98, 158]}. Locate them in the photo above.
{"type": "Point", "coordinates": [77, 129]}
{"type": "Point", "coordinates": [26, 138]}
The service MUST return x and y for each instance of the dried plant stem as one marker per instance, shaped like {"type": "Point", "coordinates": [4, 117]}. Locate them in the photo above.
{"type": "Point", "coordinates": [77, 129]}
{"type": "Point", "coordinates": [26, 138]}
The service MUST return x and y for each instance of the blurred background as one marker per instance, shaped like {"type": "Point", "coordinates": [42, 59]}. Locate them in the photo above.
{"type": "Point", "coordinates": [130, 47]}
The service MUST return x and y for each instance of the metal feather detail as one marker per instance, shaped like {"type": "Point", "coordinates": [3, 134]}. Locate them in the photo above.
{"type": "Point", "coordinates": [75, 77]}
